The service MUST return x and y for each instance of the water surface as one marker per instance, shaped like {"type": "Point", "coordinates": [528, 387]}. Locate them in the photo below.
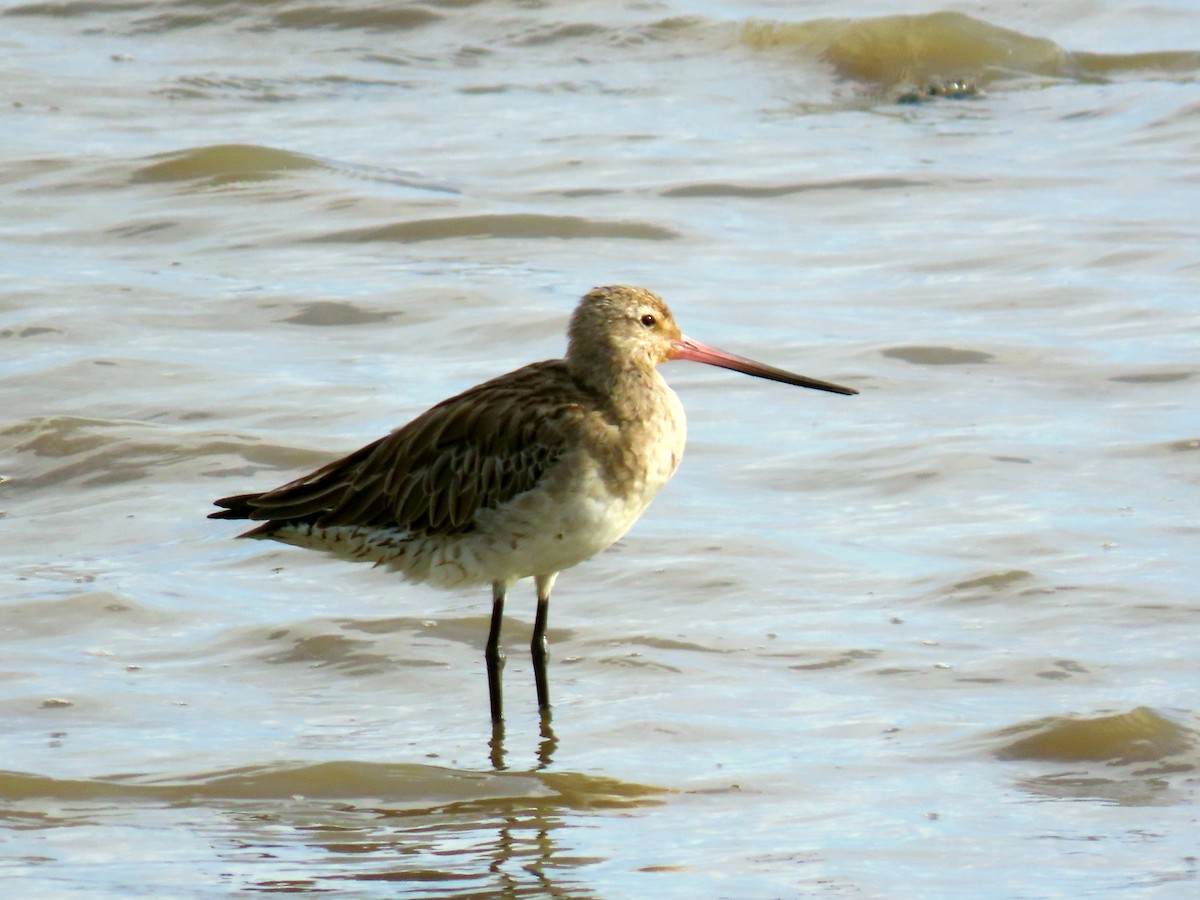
{"type": "Point", "coordinates": [934, 640]}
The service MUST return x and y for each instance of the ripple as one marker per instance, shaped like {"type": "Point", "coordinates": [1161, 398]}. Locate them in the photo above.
{"type": "Point", "coordinates": [381, 17]}
{"type": "Point", "coordinates": [1153, 377]}
{"type": "Point", "coordinates": [325, 313]}
{"type": "Point", "coordinates": [945, 48]}
{"type": "Point", "coordinates": [408, 786]}
{"type": "Point", "coordinates": [78, 614]}
{"type": "Point", "coordinates": [517, 225]}
{"type": "Point", "coordinates": [64, 450]}
{"type": "Point", "coordinates": [938, 356]}
{"type": "Point", "coordinates": [724, 189]}
{"type": "Point", "coordinates": [1140, 735]}
{"type": "Point", "coordinates": [224, 163]}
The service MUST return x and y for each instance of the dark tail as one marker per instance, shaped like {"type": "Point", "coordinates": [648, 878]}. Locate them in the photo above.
{"type": "Point", "coordinates": [240, 507]}
{"type": "Point", "coordinates": [304, 501]}
{"type": "Point", "coordinates": [244, 506]}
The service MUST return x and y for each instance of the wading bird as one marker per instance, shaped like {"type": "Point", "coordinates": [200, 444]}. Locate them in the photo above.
{"type": "Point", "coordinates": [520, 477]}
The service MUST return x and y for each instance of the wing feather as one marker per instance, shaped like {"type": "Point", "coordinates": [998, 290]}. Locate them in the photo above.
{"type": "Point", "coordinates": [475, 451]}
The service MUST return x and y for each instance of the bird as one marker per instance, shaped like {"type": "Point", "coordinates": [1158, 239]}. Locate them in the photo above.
{"type": "Point", "coordinates": [522, 476]}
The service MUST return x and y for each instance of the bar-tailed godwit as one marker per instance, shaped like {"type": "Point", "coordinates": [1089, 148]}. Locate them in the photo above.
{"type": "Point", "coordinates": [520, 477]}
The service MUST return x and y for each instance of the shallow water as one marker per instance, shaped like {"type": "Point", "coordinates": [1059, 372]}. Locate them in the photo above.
{"type": "Point", "coordinates": [935, 640]}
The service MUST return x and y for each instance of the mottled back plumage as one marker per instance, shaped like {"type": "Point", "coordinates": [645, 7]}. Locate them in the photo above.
{"type": "Point", "coordinates": [476, 450]}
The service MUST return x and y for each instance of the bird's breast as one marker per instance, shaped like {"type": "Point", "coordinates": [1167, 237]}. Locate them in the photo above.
{"type": "Point", "coordinates": [636, 452]}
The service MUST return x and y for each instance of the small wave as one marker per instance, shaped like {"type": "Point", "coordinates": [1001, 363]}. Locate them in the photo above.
{"type": "Point", "coordinates": [725, 189]}
{"type": "Point", "coordinates": [72, 450]}
{"type": "Point", "coordinates": [517, 225]}
{"type": "Point", "coordinates": [1140, 735]}
{"type": "Point", "coordinates": [220, 164]}
{"type": "Point", "coordinates": [84, 614]}
{"type": "Point", "coordinates": [945, 48]}
{"type": "Point", "coordinates": [408, 786]}
{"type": "Point", "coordinates": [380, 17]}
{"type": "Point", "coordinates": [938, 356]}
{"type": "Point", "coordinates": [156, 18]}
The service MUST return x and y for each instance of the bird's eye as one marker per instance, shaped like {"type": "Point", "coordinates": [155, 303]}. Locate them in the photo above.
{"type": "Point", "coordinates": [649, 321]}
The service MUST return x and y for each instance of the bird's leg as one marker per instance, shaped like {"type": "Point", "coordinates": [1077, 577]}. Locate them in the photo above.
{"type": "Point", "coordinates": [539, 647]}
{"type": "Point", "coordinates": [494, 654]}
{"type": "Point", "coordinates": [541, 654]}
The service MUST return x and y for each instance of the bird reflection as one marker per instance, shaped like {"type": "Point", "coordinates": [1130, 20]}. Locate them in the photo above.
{"type": "Point", "coordinates": [496, 746]}
{"type": "Point", "coordinates": [547, 745]}
{"type": "Point", "coordinates": [549, 742]}
{"type": "Point", "coordinates": [444, 831]}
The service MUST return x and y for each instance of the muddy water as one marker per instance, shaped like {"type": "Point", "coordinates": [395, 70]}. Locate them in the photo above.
{"type": "Point", "coordinates": [934, 640]}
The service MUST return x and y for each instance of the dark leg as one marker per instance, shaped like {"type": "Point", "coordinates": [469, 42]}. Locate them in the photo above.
{"type": "Point", "coordinates": [494, 654]}
{"type": "Point", "coordinates": [539, 648]}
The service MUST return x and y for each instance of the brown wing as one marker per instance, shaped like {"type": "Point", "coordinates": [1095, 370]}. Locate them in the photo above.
{"type": "Point", "coordinates": [474, 451]}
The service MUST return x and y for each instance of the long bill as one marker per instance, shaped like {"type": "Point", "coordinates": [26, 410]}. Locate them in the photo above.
{"type": "Point", "coordinates": [686, 348]}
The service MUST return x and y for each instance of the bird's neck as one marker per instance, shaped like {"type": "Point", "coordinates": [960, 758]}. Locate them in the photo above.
{"type": "Point", "coordinates": [631, 394]}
